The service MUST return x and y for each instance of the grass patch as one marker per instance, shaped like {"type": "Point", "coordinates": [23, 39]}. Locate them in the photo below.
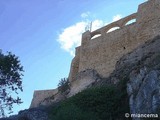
{"type": "Point", "coordinates": [98, 103]}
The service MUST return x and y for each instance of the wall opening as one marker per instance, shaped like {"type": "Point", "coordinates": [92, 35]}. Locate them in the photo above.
{"type": "Point", "coordinates": [130, 21]}
{"type": "Point", "coordinates": [113, 29]}
{"type": "Point", "coordinates": [95, 36]}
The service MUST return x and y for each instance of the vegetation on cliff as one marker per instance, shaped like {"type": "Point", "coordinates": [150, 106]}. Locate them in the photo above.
{"type": "Point", "coordinates": [133, 87]}
{"type": "Point", "coordinates": [108, 99]}
{"type": "Point", "coordinates": [97, 103]}
{"type": "Point", "coordinates": [63, 85]}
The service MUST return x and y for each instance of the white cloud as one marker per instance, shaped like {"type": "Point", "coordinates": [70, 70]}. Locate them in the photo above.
{"type": "Point", "coordinates": [97, 24]}
{"type": "Point", "coordinates": [70, 37]}
{"type": "Point", "coordinates": [116, 17]}
{"type": "Point", "coordinates": [85, 14]}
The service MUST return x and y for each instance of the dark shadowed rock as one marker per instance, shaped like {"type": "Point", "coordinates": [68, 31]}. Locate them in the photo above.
{"type": "Point", "coordinates": [144, 92]}
{"type": "Point", "coordinates": [30, 114]}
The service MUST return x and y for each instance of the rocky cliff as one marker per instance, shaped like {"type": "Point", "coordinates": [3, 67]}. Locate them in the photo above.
{"type": "Point", "coordinates": [128, 58]}
{"type": "Point", "coordinates": [141, 68]}
{"type": "Point", "coordinates": [139, 71]}
{"type": "Point", "coordinates": [100, 55]}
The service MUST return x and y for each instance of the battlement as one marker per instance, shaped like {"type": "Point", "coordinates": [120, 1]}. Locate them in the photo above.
{"type": "Point", "coordinates": [101, 49]}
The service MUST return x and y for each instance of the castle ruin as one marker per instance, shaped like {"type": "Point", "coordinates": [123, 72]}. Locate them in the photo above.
{"type": "Point", "coordinates": [102, 53]}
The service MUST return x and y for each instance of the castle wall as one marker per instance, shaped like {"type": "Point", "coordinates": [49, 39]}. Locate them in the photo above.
{"type": "Point", "coordinates": [102, 53]}
{"type": "Point", "coordinates": [40, 95]}
{"type": "Point", "coordinates": [75, 65]}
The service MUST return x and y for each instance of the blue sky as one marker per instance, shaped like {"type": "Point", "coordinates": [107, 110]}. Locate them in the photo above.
{"type": "Point", "coordinates": [44, 33]}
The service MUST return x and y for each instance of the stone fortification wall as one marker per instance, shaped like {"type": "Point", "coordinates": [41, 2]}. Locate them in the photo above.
{"type": "Point", "coordinates": [102, 53]}
{"type": "Point", "coordinates": [75, 65]}
{"type": "Point", "coordinates": [40, 95]}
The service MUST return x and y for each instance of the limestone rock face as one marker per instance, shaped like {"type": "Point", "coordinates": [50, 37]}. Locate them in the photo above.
{"type": "Point", "coordinates": [144, 91]}
{"type": "Point", "coordinates": [142, 68]}
{"type": "Point", "coordinates": [83, 80]}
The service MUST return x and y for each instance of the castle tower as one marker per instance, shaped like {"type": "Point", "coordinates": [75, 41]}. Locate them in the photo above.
{"type": "Point", "coordinates": [102, 53]}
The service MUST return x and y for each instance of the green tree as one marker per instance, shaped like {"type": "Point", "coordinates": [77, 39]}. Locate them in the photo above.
{"type": "Point", "coordinates": [10, 82]}
{"type": "Point", "coordinates": [63, 85]}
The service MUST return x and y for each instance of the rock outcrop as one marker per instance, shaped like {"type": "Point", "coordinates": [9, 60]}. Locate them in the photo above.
{"type": "Point", "coordinates": [30, 114]}
{"type": "Point", "coordinates": [144, 92]}
{"type": "Point", "coordinates": [83, 80]}
{"type": "Point", "coordinates": [130, 54]}
{"type": "Point", "coordinates": [139, 68]}
{"type": "Point", "coordinates": [142, 69]}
